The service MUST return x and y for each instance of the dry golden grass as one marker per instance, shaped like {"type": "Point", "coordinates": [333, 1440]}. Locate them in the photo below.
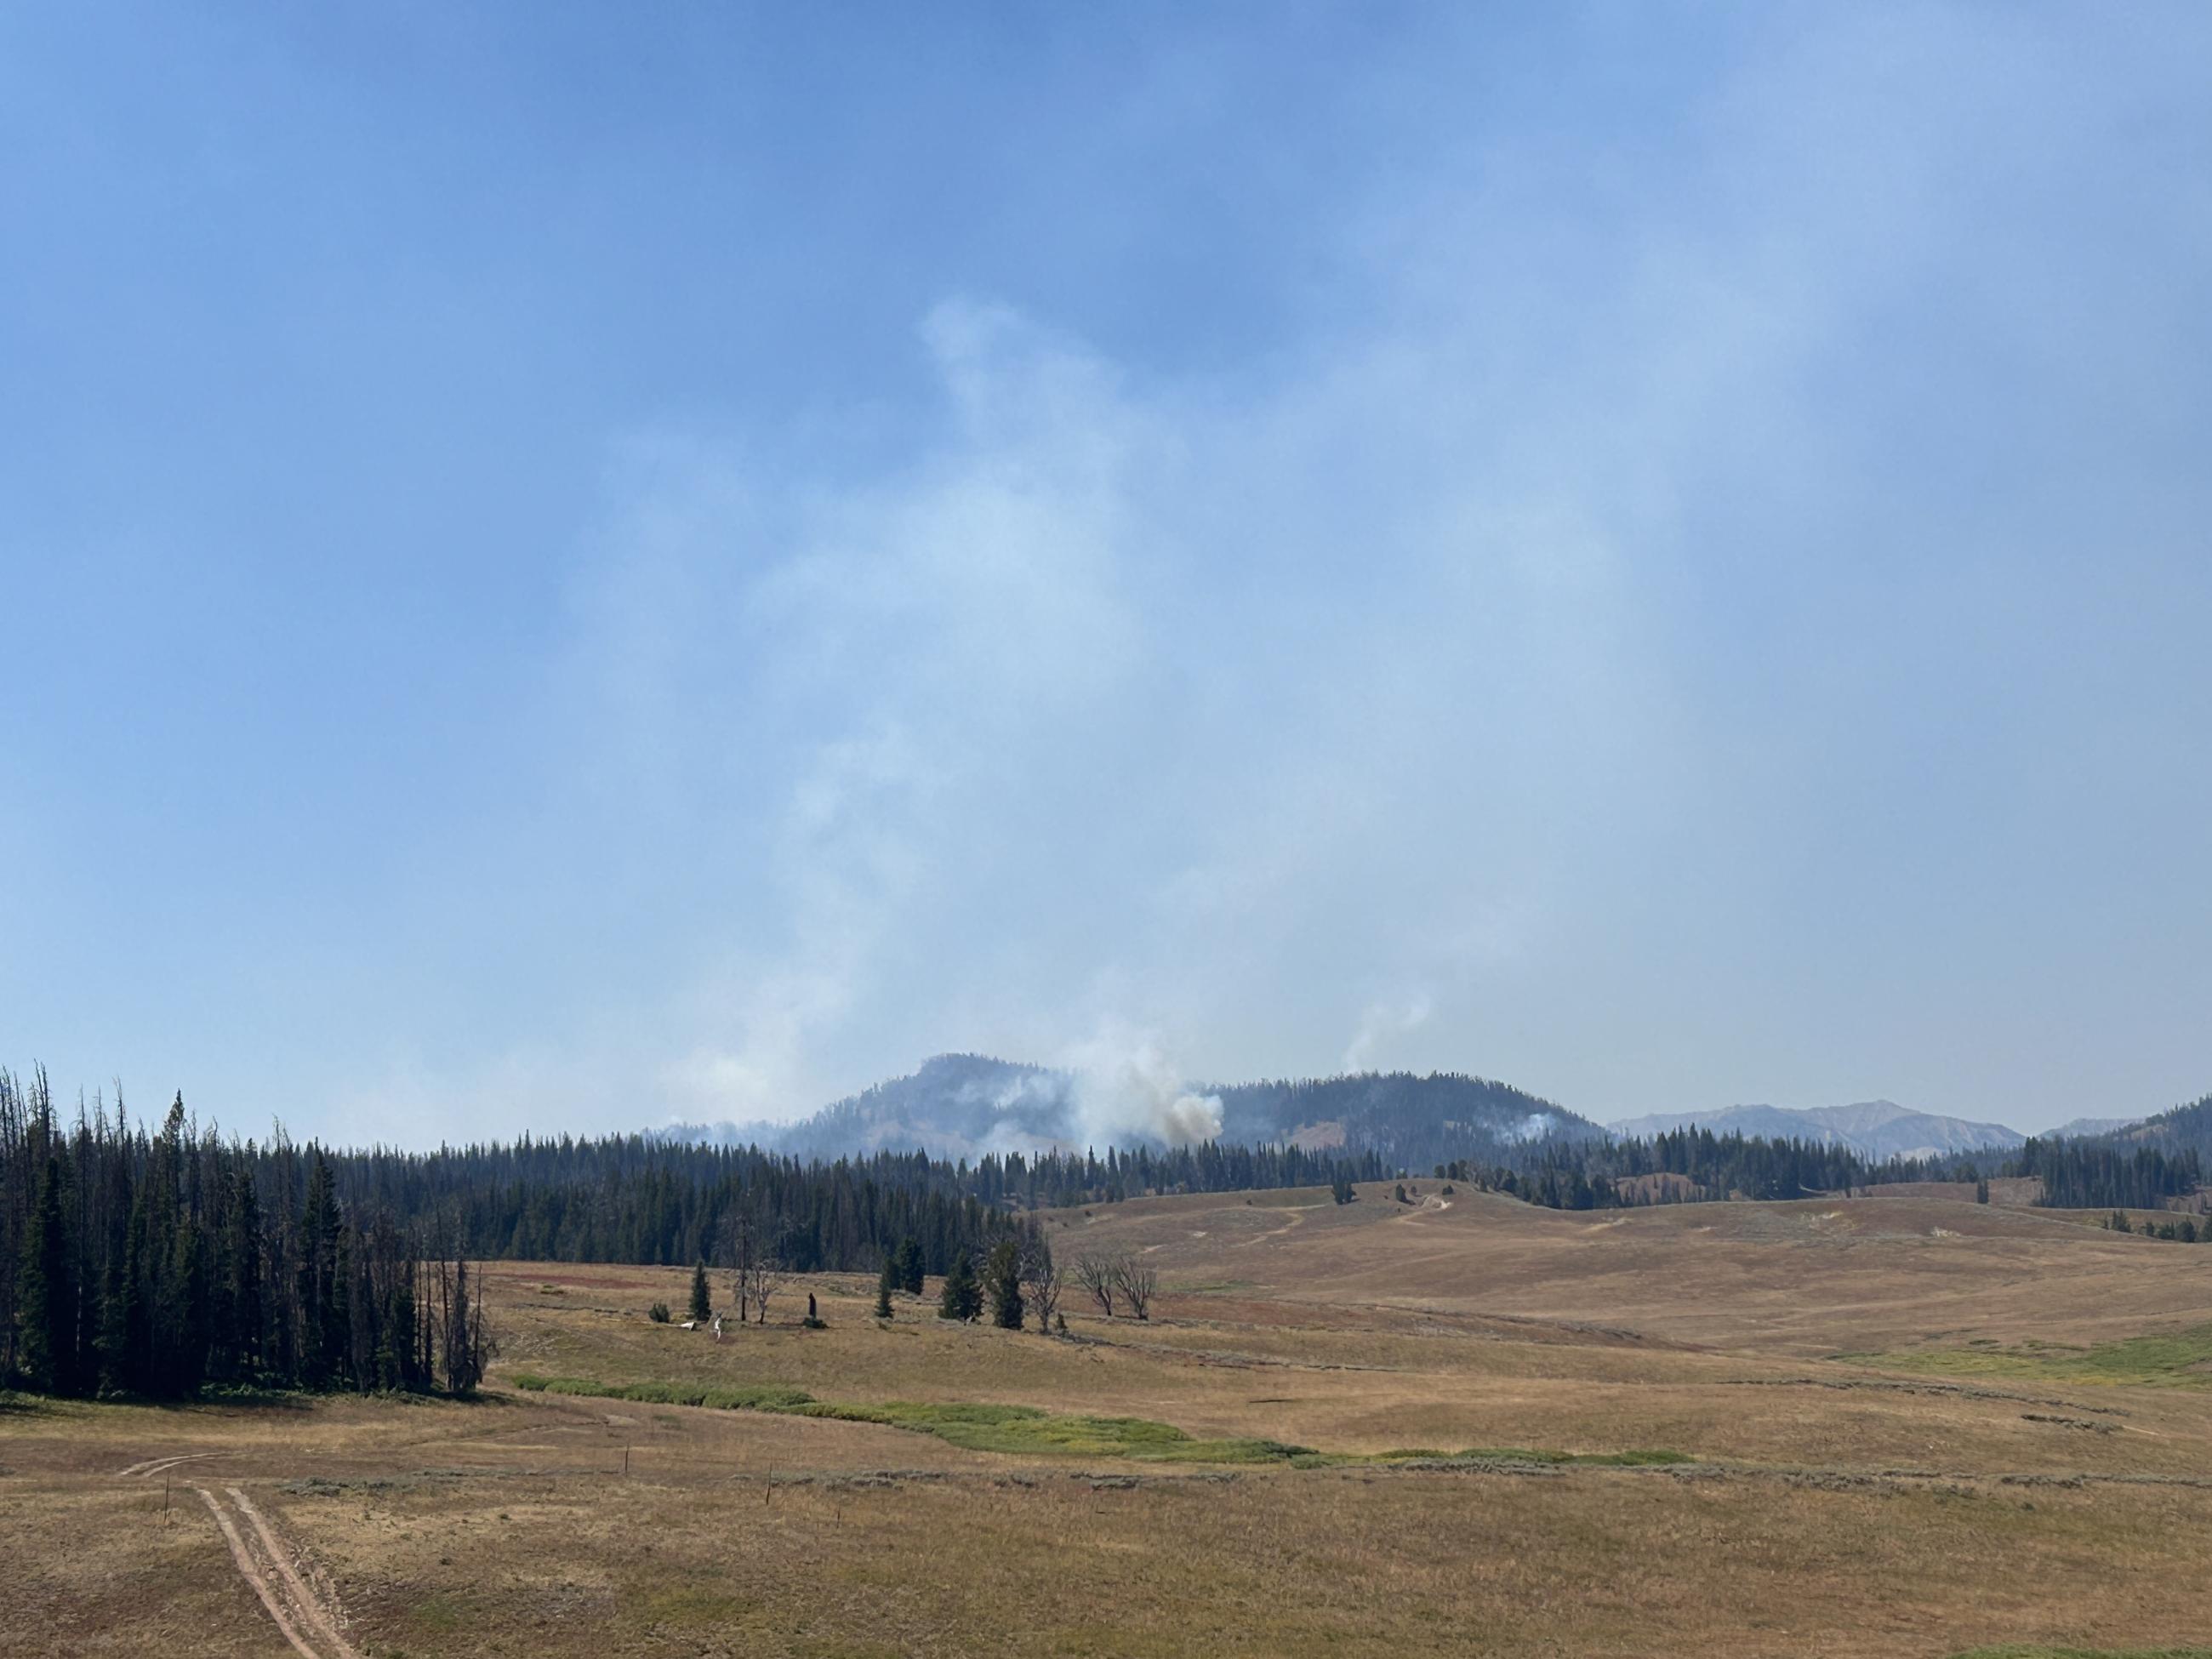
{"type": "Point", "coordinates": [1906, 1501]}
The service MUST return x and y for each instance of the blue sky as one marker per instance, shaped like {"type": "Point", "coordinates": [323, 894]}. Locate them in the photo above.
{"type": "Point", "coordinates": [566, 566]}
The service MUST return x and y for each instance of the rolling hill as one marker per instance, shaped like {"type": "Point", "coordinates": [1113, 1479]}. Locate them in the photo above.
{"type": "Point", "coordinates": [1874, 1130]}
{"type": "Point", "coordinates": [966, 1105]}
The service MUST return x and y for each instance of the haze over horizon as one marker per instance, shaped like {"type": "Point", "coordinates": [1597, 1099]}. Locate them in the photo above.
{"type": "Point", "coordinates": [565, 569]}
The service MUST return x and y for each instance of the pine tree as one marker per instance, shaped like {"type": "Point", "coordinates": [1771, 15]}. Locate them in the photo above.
{"type": "Point", "coordinates": [1982, 1190]}
{"type": "Point", "coordinates": [1003, 1278]}
{"type": "Point", "coordinates": [188, 1291]}
{"type": "Point", "coordinates": [242, 1272]}
{"type": "Point", "coordinates": [885, 1285]}
{"type": "Point", "coordinates": [46, 1347]}
{"type": "Point", "coordinates": [963, 1298]}
{"type": "Point", "coordinates": [703, 1299]}
{"type": "Point", "coordinates": [130, 1322]}
{"type": "Point", "coordinates": [909, 1273]}
{"type": "Point", "coordinates": [322, 1307]}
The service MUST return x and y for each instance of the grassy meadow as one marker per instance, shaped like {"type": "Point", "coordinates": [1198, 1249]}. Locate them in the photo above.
{"type": "Point", "coordinates": [1903, 1425]}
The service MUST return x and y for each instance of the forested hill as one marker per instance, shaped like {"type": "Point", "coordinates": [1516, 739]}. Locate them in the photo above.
{"type": "Point", "coordinates": [1410, 1121]}
{"type": "Point", "coordinates": [956, 1106]}
{"type": "Point", "coordinates": [1874, 1130]}
{"type": "Point", "coordinates": [2183, 1129]}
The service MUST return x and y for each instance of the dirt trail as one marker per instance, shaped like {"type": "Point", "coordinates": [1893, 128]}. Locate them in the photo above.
{"type": "Point", "coordinates": [254, 1576]}
{"type": "Point", "coordinates": [302, 1610]}
{"type": "Point", "coordinates": [162, 1465]}
{"type": "Point", "coordinates": [1297, 1220]}
{"type": "Point", "coordinates": [320, 1610]}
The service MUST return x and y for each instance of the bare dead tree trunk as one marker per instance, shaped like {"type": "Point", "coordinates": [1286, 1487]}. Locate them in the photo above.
{"type": "Point", "coordinates": [1098, 1272]}
{"type": "Point", "coordinates": [1042, 1277]}
{"type": "Point", "coordinates": [1137, 1280]}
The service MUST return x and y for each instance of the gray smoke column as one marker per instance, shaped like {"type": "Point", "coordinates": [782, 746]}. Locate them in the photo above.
{"type": "Point", "coordinates": [1127, 1088]}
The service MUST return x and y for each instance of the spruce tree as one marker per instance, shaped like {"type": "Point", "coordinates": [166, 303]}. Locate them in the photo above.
{"type": "Point", "coordinates": [323, 1333]}
{"type": "Point", "coordinates": [962, 1298]}
{"type": "Point", "coordinates": [241, 1271]}
{"type": "Point", "coordinates": [134, 1329]}
{"type": "Point", "coordinates": [885, 1285]}
{"type": "Point", "coordinates": [1003, 1277]}
{"type": "Point", "coordinates": [909, 1273]}
{"type": "Point", "coordinates": [46, 1347]}
{"type": "Point", "coordinates": [703, 1299]}
{"type": "Point", "coordinates": [187, 1293]}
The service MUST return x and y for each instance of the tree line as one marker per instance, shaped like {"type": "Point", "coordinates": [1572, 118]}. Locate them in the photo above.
{"type": "Point", "coordinates": [145, 1261]}
{"type": "Point", "coordinates": [2084, 1175]}
{"type": "Point", "coordinates": [1701, 1166]}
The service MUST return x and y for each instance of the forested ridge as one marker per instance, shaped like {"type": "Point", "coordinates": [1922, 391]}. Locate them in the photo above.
{"type": "Point", "coordinates": [1696, 1166]}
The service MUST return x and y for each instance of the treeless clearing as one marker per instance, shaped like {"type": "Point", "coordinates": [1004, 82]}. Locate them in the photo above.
{"type": "Point", "coordinates": [1950, 1486]}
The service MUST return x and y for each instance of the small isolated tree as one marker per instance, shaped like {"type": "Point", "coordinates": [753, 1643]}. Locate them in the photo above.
{"type": "Point", "coordinates": [963, 1297]}
{"type": "Point", "coordinates": [2118, 1224]}
{"type": "Point", "coordinates": [1400, 1195]}
{"type": "Point", "coordinates": [1340, 1190]}
{"type": "Point", "coordinates": [1002, 1282]}
{"type": "Point", "coordinates": [1041, 1278]}
{"type": "Point", "coordinates": [657, 1313]}
{"type": "Point", "coordinates": [1982, 1190]}
{"type": "Point", "coordinates": [1095, 1272]}
{"type": "Point", "coordinates": [885, 1284]}
{"type": "Point", "coordinates": [703, 1299]}
{"type": "Point", "coordinates": [1137, 1280]}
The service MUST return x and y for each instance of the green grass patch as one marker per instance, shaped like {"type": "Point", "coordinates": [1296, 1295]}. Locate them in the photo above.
{"type": "Point", "coordinates": [768, 1397]}
{"type": "Point", "coordinates": [1028, 1430]}
{"type": "Point", "coordinates": [2175, 1359]}
{"type": "Point", "coordinates": [433, 1613]}
{"type": "Point", "coordinates": [1016, 1429]}
{"type": "Point", "coordinates": [690, 1606]}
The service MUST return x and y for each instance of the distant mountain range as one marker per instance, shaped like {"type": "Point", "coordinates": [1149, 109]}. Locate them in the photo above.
{"type": "Point", "coordinates": [963, 1106]}
{"type": "Point", "coordinates": [1875, 1129]}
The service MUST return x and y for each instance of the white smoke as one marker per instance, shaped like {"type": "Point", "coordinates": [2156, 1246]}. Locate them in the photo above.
{"type": "Point", "coordinates": [1125, 1088]}
{"type": "Point", "coordinates": [1033, 1113]}
{"type": "Point", "coordinates": [1383, 1020]}
{"type": "Point", "coordinates": [1535, 1124]}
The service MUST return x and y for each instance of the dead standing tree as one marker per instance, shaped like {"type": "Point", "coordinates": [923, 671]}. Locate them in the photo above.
{"type": "Point", "coordinates": [1042, 1277]}
{"type": "Point", "coordinates": [757, 1267]}
{"type": "Point", "coordinates": [467, 1343]}
{"type": "Point", "coordinates": [769, 1273]}
{"type": "Point", "coordinates": [1099, 1273]}
{"type": "Point", "coordinates": [1136, 1279]}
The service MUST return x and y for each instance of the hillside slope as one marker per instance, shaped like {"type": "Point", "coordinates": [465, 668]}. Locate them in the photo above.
{"type": "Point", "coordinates": [1875, 1129]}
{"type": "Point", "coordinates": [966, 1105]}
